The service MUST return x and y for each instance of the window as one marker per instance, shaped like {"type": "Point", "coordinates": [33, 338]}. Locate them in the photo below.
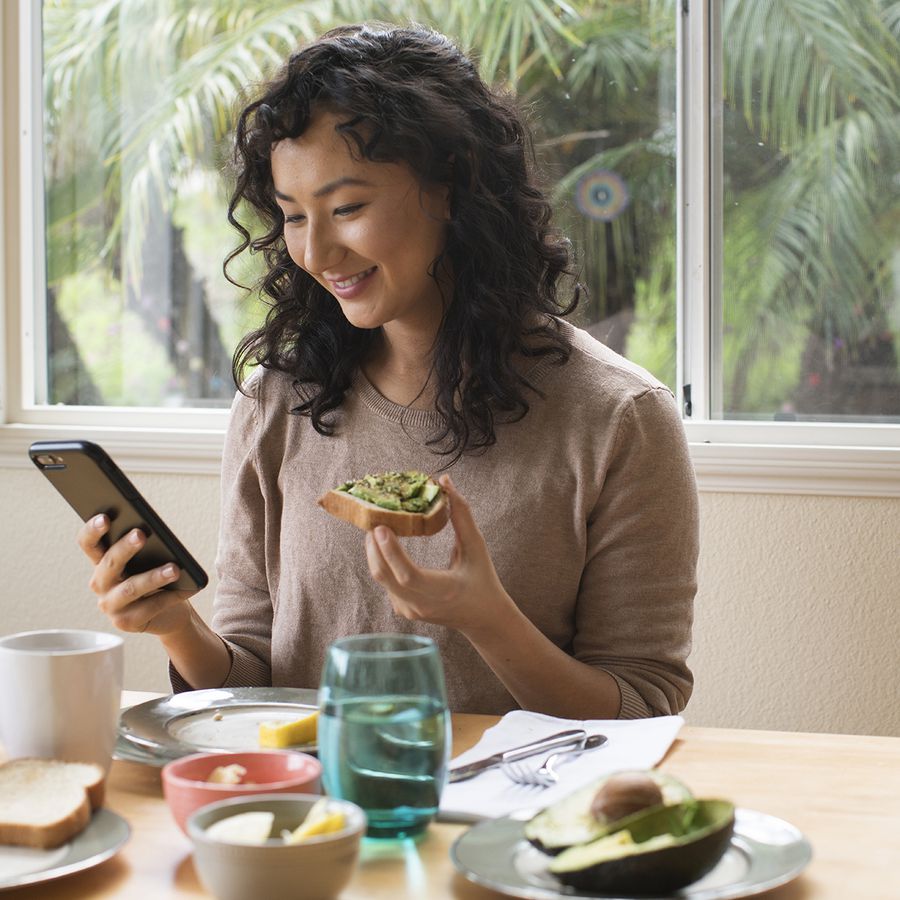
{"type": "Point", "coordinates": [139, 100]}
{"type": "Point", "coordinates": [726, 170]}
{"type": "Point", "coordinates": [810, 211]}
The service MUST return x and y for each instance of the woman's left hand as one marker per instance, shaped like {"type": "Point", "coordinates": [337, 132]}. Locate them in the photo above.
{"type": "Point", "coordinates": [467, 595]}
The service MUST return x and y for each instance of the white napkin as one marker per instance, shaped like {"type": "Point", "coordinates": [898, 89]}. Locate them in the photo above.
{"type": "Point", "coordinates": [633, 744]}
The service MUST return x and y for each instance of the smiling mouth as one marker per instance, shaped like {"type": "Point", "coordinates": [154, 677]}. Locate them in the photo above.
{"type": "Point", "coordinates": [353, 279]}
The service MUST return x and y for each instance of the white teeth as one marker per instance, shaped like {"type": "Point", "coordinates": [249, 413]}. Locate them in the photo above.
{"type": "Point", "coordinates": [354, 280]}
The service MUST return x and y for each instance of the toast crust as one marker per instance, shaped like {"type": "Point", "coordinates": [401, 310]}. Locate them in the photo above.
{"type": "Point", "coordinates": [367, 515]}
{"type": "Point", "coordinates": [49, 835]}
{"type": "Point", "coordinates": [79, 788]}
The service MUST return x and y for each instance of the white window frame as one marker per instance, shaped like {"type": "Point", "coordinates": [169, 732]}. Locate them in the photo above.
{"type": "Point", "coordinates": [763, 457]}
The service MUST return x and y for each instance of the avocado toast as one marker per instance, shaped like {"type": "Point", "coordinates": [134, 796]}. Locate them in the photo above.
{"type": "Point", "coordinates": [410, 503]}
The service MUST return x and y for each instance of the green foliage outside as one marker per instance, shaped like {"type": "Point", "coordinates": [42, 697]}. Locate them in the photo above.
{"type": "Point", "coordinates": [140, 97]}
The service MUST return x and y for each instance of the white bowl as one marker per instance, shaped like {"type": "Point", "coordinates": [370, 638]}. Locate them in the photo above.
{"type": "Point", "coordinates": [322, 865]}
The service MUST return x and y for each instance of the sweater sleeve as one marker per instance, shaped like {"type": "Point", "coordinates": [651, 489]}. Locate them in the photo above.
{"type": "Point", "coordinates": [242, 610]}
{"type": "Point", "coordinates": [635, 605]}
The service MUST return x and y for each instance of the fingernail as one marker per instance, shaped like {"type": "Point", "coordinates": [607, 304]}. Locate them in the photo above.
{"type": "Point", "coordinates": [168, 571]}
{"type": "Point", "coordinates": [98, 521]}
{"type": "Point", "coordinates": [381, 534]}
{"type": "Point", "coordinates": [134, 537]}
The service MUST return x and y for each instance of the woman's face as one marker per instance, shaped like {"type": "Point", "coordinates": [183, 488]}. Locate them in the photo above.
{"type": "Point", "coordinates": [367, 232]}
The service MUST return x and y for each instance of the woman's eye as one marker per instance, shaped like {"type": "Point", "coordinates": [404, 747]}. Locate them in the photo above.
{"type": "Point", "coordinates": [292, 220]}
{"type": "Point", "coordinates": [347, 210]}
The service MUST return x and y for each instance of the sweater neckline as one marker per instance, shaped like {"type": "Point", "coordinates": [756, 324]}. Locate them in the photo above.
{"type": "Point", "coordinates": [421, 418]}
{"type": "Point", "coordinates": [394, 412]}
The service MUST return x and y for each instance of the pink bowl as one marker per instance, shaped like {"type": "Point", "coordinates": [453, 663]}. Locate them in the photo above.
{"type": "Point", "coordinates": [268, 772]}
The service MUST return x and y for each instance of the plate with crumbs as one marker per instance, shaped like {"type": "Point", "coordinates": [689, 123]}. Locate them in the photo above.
{"type": "Point", "coordinates": [220, 719]}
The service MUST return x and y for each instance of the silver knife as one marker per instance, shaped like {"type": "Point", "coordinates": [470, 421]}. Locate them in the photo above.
{"type": "Point", "coordinates": [561, 739]}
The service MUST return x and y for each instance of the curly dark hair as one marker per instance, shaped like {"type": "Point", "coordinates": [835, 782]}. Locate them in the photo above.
{"type": "Point", "coordinates": [408, 95]}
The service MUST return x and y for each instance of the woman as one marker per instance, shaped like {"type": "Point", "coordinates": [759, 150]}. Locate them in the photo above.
{"type": "Point", "coordinates": [414, 323]}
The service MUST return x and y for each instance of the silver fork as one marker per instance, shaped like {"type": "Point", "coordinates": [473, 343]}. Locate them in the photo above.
{"type": "Point", "coordinates": [545, 775]}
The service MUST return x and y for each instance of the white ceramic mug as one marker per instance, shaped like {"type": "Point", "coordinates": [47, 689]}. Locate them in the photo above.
{"type": "Point", "coordinates": [60, 693]}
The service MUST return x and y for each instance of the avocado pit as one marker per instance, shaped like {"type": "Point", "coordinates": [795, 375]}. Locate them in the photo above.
{"type": "Point", "coordinates": [623, 794]}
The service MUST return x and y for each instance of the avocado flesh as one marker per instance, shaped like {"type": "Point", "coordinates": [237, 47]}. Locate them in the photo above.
{"type": "Point", "coordinates": [613, 846]}
{"type": "Point", "coordinates": [397, 491]}
{"type": "Point", "coordinates": [658, 851]}
{"type": "Point", "coordinates": [569, 821]}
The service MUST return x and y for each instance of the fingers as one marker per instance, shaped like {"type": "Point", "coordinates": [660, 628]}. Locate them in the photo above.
{"type": "Point", "coordinates": [110, 567]}
{"type": "Point", "coordinates": [461, 515]}
{"type": "Point", "coordinates": [130, 603]}
{"type": "Point", "coordinates": [388, 562]}
{"type": "Point", "coordinates": [393, 570]}
{"type": "Point", "coordinates": [131, 591]}
{"type": "Point", "coordinates": [90, 538]}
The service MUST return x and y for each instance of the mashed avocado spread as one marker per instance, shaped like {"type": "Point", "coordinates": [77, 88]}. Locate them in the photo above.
{"type": "Point", "coordinates": [406, 491]}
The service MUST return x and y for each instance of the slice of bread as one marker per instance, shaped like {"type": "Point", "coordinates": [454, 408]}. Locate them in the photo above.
{"type": "Point", "coordinates": [366, 515]}
{"type": "Point", "coordinates": [46, 802]}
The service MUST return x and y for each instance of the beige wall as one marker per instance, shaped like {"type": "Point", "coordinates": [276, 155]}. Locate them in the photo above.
{"type": "Point", "coordinates": [798, 614]}
{"type": "Point", "coordinates": [797, 624]}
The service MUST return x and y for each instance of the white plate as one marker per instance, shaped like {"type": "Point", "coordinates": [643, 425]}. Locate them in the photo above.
{"type": "Point", "coordinates": [215, 720]}
{"type": "Point", "coordinates": [765, 852]}
{"type": "Point", "coordinates": [103, 838]}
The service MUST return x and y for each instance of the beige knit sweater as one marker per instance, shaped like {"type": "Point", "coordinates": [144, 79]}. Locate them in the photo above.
{"type": "Point", "coordinates": [588, 506]}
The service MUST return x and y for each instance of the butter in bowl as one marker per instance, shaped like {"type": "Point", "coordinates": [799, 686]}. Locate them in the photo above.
{"type": "Point", "coordinates": [271, 844]}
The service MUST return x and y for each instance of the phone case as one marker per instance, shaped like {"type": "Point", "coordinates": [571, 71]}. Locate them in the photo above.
{"type": "Point", "coordinates": [92, 483]}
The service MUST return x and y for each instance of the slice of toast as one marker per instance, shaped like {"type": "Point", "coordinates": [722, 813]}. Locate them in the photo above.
{"type": "Point", "coordinates": [46, 802]}
{"type": "Point", "coordinates": [363, 514]}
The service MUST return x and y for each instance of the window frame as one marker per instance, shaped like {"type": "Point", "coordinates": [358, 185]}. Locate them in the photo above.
{"type": "Point", "coordinates": [742, 456]}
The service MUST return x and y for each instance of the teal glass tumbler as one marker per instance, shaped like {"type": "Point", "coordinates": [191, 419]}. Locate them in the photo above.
{"type": "Point", "coordinates": [384, 729]}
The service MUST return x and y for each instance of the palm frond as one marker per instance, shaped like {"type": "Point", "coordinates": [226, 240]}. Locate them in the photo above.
{"type": "Point", "coordinates": [794, 67]}
{"type": "Point", "coordinates": [890, 15]}
{"type": "Point", "coordinates": [814, 232]}
{"type": "Point", "coordinates": [505, 37]}
{"type": "Point", "coordinates": [617, 55]}
{"type": "Point", "coordinates": [222, 47]}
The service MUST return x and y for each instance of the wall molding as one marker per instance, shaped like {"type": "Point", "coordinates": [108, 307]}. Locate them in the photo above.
{"type": "Point", "coordinates": [793, 469]}
{"type": "Point", "coordinates": [175, 451]}
{"type": "Point", "coordinates": [720, 467]}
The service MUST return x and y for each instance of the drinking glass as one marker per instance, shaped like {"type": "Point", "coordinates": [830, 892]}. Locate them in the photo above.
{"type": "Point", "coordinates": [384, 729]}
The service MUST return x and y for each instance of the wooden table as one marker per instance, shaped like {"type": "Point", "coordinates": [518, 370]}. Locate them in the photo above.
{"type": "Point", "coordinates": [842, 791]}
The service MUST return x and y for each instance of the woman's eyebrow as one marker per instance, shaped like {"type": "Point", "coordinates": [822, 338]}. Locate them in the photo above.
{"type": "Point", "coordinates": [329, 188]}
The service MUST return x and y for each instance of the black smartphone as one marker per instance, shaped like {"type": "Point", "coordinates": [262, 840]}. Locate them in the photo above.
{"type": "Point", "coordinates": [92, 483]}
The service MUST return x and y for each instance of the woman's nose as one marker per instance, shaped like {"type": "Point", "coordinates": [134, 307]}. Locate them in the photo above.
{"type": "Point", "coordinates": [322, 250]}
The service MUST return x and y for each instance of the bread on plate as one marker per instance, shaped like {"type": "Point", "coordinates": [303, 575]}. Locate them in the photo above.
{"type": "Point", "coordinates": [46, 802]}
{"type": "Point", "coordinates": [409, 503]}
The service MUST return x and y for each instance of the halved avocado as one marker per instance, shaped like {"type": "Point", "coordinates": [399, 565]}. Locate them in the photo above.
{"type": "Point", "coordinates": [569, 821]}
{"type": "Point", "coordinates": [655, 851]}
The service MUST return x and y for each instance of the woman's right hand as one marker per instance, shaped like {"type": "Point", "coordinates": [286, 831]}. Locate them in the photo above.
{"type": "Point", "coordinates": [135, 603]}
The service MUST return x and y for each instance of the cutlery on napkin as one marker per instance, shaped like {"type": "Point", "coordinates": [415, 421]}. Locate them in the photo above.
{"type": "Point", "coordinates": [572, 737]}
{"type": "Point", "coordinates": [633, 744]}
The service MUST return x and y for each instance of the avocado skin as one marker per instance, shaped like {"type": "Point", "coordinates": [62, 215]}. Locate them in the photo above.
{"type": "Point", "coordinates": [671, 868]}
{"type": "Point", "coordinates": [661, 871]}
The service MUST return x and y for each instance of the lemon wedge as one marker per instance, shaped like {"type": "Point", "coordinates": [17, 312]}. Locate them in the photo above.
{"type": "Point", "coordinates": [244, 828]}
{"type": "Point", "coordinates": [319, 820]}
{"type": "Point", "coordinates": [287, 734]}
